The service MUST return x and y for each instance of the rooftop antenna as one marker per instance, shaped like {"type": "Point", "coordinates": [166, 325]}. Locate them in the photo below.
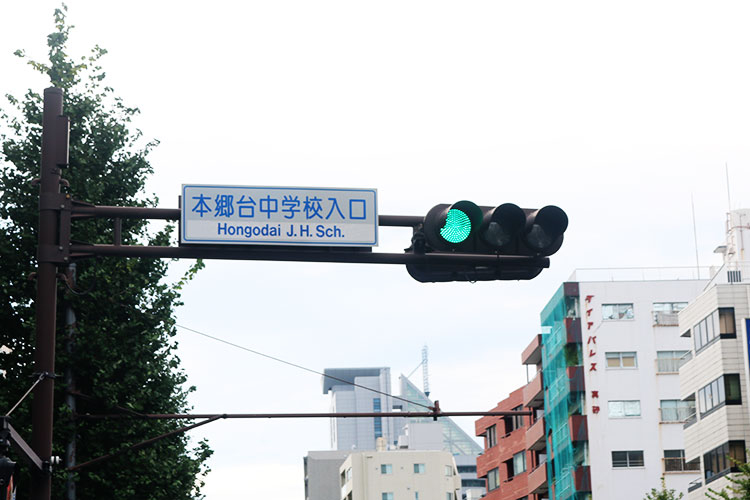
{"type": "Point", "coordinates": [729, 199]}
{"type": "Point", "coordinates": [425, 373]}
{"type": "Point", "coordinates": [695, 238]}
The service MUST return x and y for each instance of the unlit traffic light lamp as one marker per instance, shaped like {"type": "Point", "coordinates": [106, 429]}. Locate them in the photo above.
{"type": "Point", "coordinates": [520, 238]}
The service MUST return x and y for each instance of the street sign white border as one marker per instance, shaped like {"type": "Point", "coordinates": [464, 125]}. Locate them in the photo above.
{"type": "Point", "coordinates": [183, 212]}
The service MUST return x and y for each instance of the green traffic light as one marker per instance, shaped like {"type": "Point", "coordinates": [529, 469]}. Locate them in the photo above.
{"type": "Point", "coordinates": [457, 226]}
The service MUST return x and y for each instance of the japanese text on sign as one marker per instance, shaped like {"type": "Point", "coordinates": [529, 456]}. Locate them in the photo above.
{"type": "Point", "coordinates": [278, 215]}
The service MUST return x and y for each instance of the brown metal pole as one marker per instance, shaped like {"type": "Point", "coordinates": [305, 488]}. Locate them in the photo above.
{"type": "Point", "coordinates": [55, 129]}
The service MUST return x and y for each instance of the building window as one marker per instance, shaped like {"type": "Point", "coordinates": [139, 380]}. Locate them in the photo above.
{"type": "Point", "coordinates": [418, 468]}
{"type": "Point", "coordinates": [624, 409]}
{"type": "Point", "coordinates": [615, 312]}
{"type": "Point", "coordinates": [467, 469]}
{"type": "Point", "coordinates": [665, 313]}
{"type": "Point", "coordinates": [674, 461]}
{"type": "Point", "coordinates": [717, 462]}
{"type": "Point", "coordinates": [416, 495]}
{"type": "Point", "coordinates": [448, 495]}
{"type": "Point", "coordinates": [493, 479]}
{"type": "Point", "coordinates": [671, 361]}
{"type": "Point", "coordinates": [621, 360]}
{"type": "Point", "coordinates": [513, 422]}
{"type": "Point", "coordinates": [723, 390]}
{"type": "Point", "coordinates": [621, 459]}
{"type": "Point", "coordinates": [387, 496]}
{"type": "Point", "coordinates": [718, 324]}
{"type": "Point", "coordinates": [491, 436]}
{"type": "Point", "coordinates": [674, 410]}
{"type": "Point", "coordinates": [473, 483]}
{"type": "Point", "coordinates": [377, 422]}
{"type": "Point", "coordinates": [449, 470]}
{"type": "Point", "coordinates": [519, 463]}
{"type": "Point", "coordinates": [386, 469]}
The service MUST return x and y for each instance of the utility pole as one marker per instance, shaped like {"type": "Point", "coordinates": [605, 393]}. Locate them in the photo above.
{"type": "Point", "coordinates": [54, 156]}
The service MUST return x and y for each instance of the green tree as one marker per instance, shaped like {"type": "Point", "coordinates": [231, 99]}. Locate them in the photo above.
{"type": "Point", "coordinates": [124, 352]}
{"type": "Point", "coordinates": [663, 493]}
{"type": "Point", "coordinates": [740, 489]}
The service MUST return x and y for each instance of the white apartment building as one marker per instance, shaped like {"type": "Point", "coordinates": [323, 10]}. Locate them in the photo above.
{"type": "Point", "coordinates": [611, 352]}
{"type": "Point", "coordinates": [634, 343]}
{"type": "Point", "coordinates": [716, 378]}
{"type": "Point", "coordinates": [400, 475]}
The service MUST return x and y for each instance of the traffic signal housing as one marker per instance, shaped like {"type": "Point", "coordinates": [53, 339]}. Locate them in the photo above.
{"type": "Point", "coordinates": [520, 239]}
{"type": "Point", "coordinates": [7, 469]}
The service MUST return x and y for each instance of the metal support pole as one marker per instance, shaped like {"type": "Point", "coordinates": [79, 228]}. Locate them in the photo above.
{"type": "Point", "coordinates": [55, 130]}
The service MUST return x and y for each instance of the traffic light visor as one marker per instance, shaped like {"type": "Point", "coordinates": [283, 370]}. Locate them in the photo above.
{"type": "Point", "coordinates": [502, 225]}
{"type": "Point", "coordinates": [544, 227]}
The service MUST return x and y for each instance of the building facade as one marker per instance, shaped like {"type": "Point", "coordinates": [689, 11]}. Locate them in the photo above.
{"type": "Point", "coordinates": [350, 393]}
{"type": "Point", "coordinates": [321, 470]}
{"type": "Point", "coordinates": [399, 474]}
{"type": "Point", "coordinates": [511, 462]}
{"type": "Point", "coordinates": [715, 377]}
{"type": "Point", "coordinates": [605, 395]}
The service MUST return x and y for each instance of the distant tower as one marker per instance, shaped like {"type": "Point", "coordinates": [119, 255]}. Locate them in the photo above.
{"type": "Point", "coordinates": [425, 372]}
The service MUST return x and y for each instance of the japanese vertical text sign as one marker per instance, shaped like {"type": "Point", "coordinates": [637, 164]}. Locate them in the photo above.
{"type": "Point", "coordinates": [278, 216]}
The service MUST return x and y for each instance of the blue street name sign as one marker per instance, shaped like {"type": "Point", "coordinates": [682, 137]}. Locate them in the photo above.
{"type": "Point", "coordinates": [278, 216]}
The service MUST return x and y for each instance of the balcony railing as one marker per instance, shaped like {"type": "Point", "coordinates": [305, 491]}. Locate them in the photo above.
{"type": "Point", "coordinates": [678, 464]}
{"type": "Point", "coordinates": [677, 415]}
{"type": "Point", "coordinates": [671, 365]}
{"type": "Point", "coordinates": [665, 318]}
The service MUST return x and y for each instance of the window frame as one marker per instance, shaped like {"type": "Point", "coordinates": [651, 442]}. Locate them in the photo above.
{"type": "Point", "coordinates": [618, 310]}
{"type": "Point", "coordinates": [631, 459]}
{"type": "Point", "coordinates": [493, 474]}
{"type": "Point", "coordinates": [611, 403]}
{"type": "Point", "coordinates": [420, 468]}
{"type": "Point", "coordinates": [619, 355]}
{"type": "Point", "coordinates": [386, 469]}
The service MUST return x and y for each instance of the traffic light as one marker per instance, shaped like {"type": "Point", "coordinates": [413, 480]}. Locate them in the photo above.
{"type": "Point", "coordinates": [7, 468]}
{"type": "Point", "coordinates": [520, 239]}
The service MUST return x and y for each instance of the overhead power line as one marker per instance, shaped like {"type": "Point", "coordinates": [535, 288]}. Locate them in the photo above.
{"type": "Point", "coordinates": [289, 363]}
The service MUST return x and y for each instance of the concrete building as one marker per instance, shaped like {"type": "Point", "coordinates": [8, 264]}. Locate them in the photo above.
{"type": "Point", "coordinates": [714, 379]}
{"type": "Point", "coordinates": [354, 434]}
{"type": "Point", "coordinates": [349, 389]}
{"type": "Point", "coordinates": [399, 474]}
{"type": "Point", "coordinates": [605, 394]}
{"type": "Point", "coordinates": [322, 473]}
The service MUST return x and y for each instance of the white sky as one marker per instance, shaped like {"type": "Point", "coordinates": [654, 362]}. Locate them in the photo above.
{"type": "Point", "coordinates": [616, 112]}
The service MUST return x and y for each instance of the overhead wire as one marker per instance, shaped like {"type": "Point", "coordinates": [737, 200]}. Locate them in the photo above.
{"type": "Point", "coordinates": [302, 367]}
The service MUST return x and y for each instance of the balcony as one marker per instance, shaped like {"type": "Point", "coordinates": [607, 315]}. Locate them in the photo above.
{"type": "Point", "coordinates": [678, 415]}
{"type": "Point", "coordinates": [582, 478]}
{"type": "Point", "coordinates": [665, 318]}
{"type": "Point", "coordinates": [532, 355]}
{"type": "Point", "coordinates": [576, 379]}
{"type": "Point", "coordinates": [672, 365]}
{"type": "Point", "coordinates": [536, 438]}
{"type": "Point", "coordinates": [573, 330]}
{"type": "Point", "coordinates": [678, 464]}
{"type": "Point", "coordinates": [537, 480]}
{"type": "Point", "coordinates": [533, 392]}
{"type": "Point", "coordinates": [579, 430]}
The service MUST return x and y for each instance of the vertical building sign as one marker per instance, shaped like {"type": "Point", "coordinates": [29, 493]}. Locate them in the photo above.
{"type": "Point", "coordinates": [591, 349]}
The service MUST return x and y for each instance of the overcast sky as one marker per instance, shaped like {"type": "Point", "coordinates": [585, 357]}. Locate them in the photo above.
{"type": "Point", "coordinates": [618, 112]}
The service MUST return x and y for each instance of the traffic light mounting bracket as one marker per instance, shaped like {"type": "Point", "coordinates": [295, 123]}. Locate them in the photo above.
{"type": "Point", "coordinates": [9, 436]}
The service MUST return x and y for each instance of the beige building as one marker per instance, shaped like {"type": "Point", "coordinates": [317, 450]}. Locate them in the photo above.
{"type": "Point", "coordinates": [400, 475]}
{"type": "Point", "coordinates": [716, 377]}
